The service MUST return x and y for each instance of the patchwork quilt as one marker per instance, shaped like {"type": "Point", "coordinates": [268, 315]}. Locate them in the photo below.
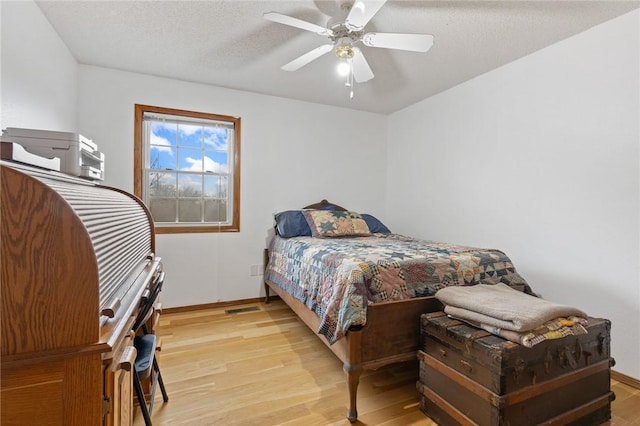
{"type": "Point", "coordinates": [338, 277]}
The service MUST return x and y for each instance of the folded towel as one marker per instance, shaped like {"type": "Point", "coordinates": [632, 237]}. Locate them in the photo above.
{"type": "Point", "coordinates": [500, 306]}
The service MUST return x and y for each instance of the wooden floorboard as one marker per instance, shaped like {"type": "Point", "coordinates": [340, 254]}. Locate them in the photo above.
{"type": "Point", "coordinates": [265, 367]}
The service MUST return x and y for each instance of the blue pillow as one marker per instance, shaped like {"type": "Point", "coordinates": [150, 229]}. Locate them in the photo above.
{"type": "Point", "coordinates": [292, 223]}
{"type": "Point", "coordinates": [375, 226]}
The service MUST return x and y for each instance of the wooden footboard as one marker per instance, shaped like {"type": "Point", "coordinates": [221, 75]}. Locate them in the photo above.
{"type": "Point", "coordinates": [392, 334]}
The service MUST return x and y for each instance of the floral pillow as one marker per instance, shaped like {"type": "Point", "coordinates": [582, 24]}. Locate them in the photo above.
{"type": "Point", "coordinates": [333, 223]}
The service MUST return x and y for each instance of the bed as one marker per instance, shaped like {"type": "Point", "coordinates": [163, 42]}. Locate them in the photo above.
{"type": "Point", "coordinates": [362, 288]}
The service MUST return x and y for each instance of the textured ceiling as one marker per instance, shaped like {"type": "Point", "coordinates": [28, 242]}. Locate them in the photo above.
{"type": "Point", "coordinates": [229, 44]}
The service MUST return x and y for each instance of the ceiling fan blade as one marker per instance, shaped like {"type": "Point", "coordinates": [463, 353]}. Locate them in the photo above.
{"type": "Point", "coordinates": [298, 23]}
{"type": "Point", "coordinates": [412, 42]}
{"type": "Point", "coordinates": [361, 12]}
{"type": "Point", "coordinates": [308, 57]}
{"type": "Point", "coordinates": [361, 69]}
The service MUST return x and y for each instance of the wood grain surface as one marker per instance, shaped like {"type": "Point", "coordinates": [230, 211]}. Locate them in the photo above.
{"type": "Point", "coordinates": [265, 367]}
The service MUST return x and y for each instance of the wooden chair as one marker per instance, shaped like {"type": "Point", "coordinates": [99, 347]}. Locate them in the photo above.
{"type": "Point", "coordinates": [146, 364]}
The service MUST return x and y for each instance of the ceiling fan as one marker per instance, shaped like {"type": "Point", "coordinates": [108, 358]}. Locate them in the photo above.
{"type": "Point", "coordinates": [345, 35]}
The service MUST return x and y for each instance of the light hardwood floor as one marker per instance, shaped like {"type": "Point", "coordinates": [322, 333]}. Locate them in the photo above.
{"type": "Point", "coordinates": [265, 367]}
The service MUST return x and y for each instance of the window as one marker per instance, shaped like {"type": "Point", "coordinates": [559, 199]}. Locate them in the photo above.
{"type": "Point", "coordinates": [187, 169]}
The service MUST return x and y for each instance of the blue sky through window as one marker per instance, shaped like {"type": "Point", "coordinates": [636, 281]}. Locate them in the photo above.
{"type": "Point", "coordinates": [189, 148]}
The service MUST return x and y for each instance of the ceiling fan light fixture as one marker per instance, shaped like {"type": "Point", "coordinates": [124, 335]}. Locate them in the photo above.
{"type": "Point", "coordinates": [344, 36]}
{"type": "Point", "coordinates": [344, 51]}
{"type": "Point", "coordinates": [343, 68]}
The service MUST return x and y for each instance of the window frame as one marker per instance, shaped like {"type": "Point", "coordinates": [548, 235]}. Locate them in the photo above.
{"type": "Point", "coordinates": [139, 168]}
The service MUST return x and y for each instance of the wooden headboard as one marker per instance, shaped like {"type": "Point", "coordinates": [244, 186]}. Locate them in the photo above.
{"type": "Point", "coordinates": [325, 205]}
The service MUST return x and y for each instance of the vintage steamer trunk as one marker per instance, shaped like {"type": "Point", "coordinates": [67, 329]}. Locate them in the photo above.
{"type": "Point", "coordinates": [471, 377]}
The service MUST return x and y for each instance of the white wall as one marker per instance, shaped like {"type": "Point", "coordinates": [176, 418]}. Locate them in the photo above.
{"type": "Point", "coordinates": [38, 73]}
{"type": "Point", "coordinates": [538, 158]}
{"type": "Point", "coordinates": [292, 154]}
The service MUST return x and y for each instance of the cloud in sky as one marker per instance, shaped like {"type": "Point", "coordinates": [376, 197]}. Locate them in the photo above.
{"type": "Point", "coordinates": [160, 144]}
{"type": "Point", "coordinates": [216, 138]}
{"type": "Point", "coordinates": [213, 137]}
{"type": "Point", "coordinates": [164, 181]}
{"type": "Point", "coordinates": [192, 181]}
{"type": "Point", "coordinates": [188, 130]}
{"type": "Point", "coordinates": [195, 165]}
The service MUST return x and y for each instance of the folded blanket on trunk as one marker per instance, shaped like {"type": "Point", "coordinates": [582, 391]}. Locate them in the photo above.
{"type": "Point", "coordinates": [554, 329]}
{"type": "Point", "coordinates": [500, 306]}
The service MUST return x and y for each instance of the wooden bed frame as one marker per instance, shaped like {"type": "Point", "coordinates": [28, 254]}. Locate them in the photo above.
{"type": "Point", "coordinates": [391, 334]}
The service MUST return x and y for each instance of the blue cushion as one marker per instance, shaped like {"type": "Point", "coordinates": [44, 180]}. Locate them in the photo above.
{"type": "Point", "coordinates": [375, 226]}
{"type": "Point", "coordinates": [292, 223]}
{"type": "Point", "coordinates": [145, 347]}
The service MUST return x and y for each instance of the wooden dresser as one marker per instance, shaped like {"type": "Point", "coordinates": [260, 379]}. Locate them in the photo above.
{"type": "Point", "coordinates": [76, 258]}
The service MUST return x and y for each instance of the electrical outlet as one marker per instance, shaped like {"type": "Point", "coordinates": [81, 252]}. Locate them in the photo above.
{"type": "Point", "coordinates": [256, 270]}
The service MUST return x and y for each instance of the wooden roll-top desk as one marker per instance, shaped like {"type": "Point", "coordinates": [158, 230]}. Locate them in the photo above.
{"type": "Point", "coordinates": [76, 258]}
